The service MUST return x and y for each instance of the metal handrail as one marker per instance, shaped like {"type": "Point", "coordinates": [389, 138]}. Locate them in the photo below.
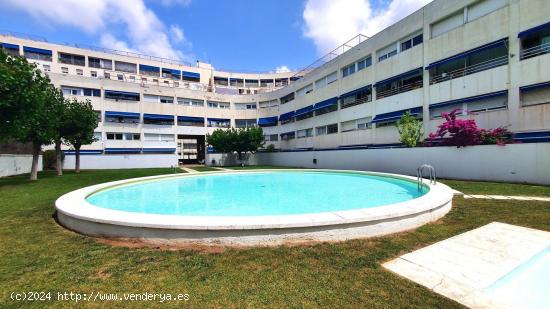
{"type": "Point", "coordinates": [467, 70]}
{"type": "Point", "coordinates": [390, 92]}
{"type": "Point", "coordinates": [420, 178]}
{"type": "Point", "coordinates": [535, 51]}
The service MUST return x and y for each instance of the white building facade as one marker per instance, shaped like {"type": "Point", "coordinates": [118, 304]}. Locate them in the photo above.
{"type": "Point", "coordinates": [490, 58]}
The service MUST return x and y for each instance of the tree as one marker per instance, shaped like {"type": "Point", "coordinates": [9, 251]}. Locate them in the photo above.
{"type": "Point", "coordinates": [410, 129]}
{"type": "Point", "coordinates": [63, 128]}
{"type": "Point", "coordinates": [81, 121]}
{"type": "Point", "coordinates": [238, 141]}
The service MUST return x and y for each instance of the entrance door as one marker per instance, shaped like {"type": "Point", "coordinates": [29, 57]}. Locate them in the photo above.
{"type": "Point", "coordinates": [191, 149]}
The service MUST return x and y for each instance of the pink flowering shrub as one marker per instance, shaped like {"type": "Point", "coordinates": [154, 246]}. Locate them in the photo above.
{"type": "Point", "coordinates": [464, 132]}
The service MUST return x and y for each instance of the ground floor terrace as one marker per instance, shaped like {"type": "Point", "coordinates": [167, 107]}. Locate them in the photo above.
{"type": "Point", "coordinates": [40, 255]}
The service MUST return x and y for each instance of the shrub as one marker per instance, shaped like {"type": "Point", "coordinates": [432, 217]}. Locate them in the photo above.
{"type": "Point", "coordinates": [48, 159]}
{"type": "Point", "coordinates": [270, 148]}
{"type": "Point", "coordinates": [410, 129]}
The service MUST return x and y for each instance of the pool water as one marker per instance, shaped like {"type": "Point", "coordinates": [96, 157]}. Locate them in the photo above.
{"type": "Point", "coordinates": [527, 286]}
{"type": "Point", "coordinates": [258, 194]}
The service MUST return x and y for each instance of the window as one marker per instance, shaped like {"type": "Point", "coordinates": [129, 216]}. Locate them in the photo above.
{"type": "Point", "coordinates": [251, 83]}
{"type": "Point", "coordinates": [487, 57]}
{"type": "Point", "coordinates": [219, 123]}
{"type": "Point", "coordinates": [190, 121]}
{"type": "Point", "coordinates": [304, 133]}
{"type": "Point", "coordinates": [221, 81]}
{"type": "Point", "coordinates": [97, 137]}
{"type": "Point", "coordinates": [46, 67]}
{"type": "Point", "coordinates": [100, 63]}
{"type": "Point", "coordinates": [268, 104]}
{"type": "Point", "coordinates": [190, 102]}
{"type": "Point", "coordinates": [115, 136]}
{"type": "Point", "coordinates": [411, 42]}
{"type": "Point", "coordinates": [535, 94]}
{"type": "Point", "coordinates": [288, 136]}
{"type": "Point", "coordinates": [356, 124]}
{"type": "Point", "coordinates": [329, 79]}
{"type": "Point", "coordinates": [287, 98]}
{"type": "Point", "coordinates": [364, 63]}
{"type": "Point", "coordinates": [153, 137]}
{"type": "Point", "coordinates": [328, 129]}
{"type": "Point", "coordinates": [402, 83]}
{"type": "Point", "coordinates": [71, 59]}
{"type": "Point", "coordinates": [120, 77]}
{"type": "Point", "coordinates": [356, 97]}
{"type": "Point", "coordinates": [107, 75]}
{"type": "Point", "coordinates": [245, 123]}
{"type": "Point", "coordinates": [242, 106]}
{"type": "Point", "coordinates": [321, 130]}
{"type": "Point", "coordinates": [166, 100]}
{"type": "Point", "coordinates": [160, 120]}
{"type": "Point", "coordinates": [176, 84]}
{"type": "Point", "coordinates": [88, 92]}
{"type": "Point", "coordinates": [447, 24]}
{"type": "Point", "coordinates": [10, 49]}
{"type": "Point", "coordinates": [483, 8]}
{"type": "Point", "coordinates": [348, 70]}
{"type": "Point", "coordinates": [387, 52]}
{"type": "Point", "coordinates": [535, 43]}
{"type": "Point", "coordinates": [236, 82]}
{"type": "Point", "coordinates": [150, 98]}
{"type": "Point", "coordinates": [121, 119]}
{"type": "Point", "coordinates": [149, 70]}
{"type": "Point", "coordinates": [280, 82]}
{"type": "Point", "coordinates": [64, 70]}
{"type": "Point", "coordinates": [191, 76]}
{"type": "Point", "coordinates": [125, 67]}
{"type": "Point", "coordinates": [215, 104]}
{"type": "Point", "coordinates": [37, 53]}
{"type": "Point", "coordinates": [132, 136]}
{"type": "Point", "coordinates": [93, 73]}
{"type": "Point", "coordinates": [271, 138]}
{"type": "Point", "coordinates": [304, 90]}
{"type": "Point", "coordinates": [121, 95]}
{"type": "Point", "coordinates": [79, 72]}
{"type": "Point", "coordinates": [266, 83]}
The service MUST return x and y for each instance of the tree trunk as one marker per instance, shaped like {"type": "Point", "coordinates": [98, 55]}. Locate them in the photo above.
{"type": "Point", "coordinates": [77, 159]}
{"type": "Point", "coordinates": [36, 147]}
{"type": "Point", "coordinates": [58, 162]}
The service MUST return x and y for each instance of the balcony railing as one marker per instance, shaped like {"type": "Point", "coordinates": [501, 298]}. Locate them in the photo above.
{"type": "Point", "coordinates": [535, 51]}
{"type": "Point", "coordinates": [405, 88]}
{"type": "Point", "coordinates": [493, 63]}
{"type": "Point", "coordinates": [362, 100]}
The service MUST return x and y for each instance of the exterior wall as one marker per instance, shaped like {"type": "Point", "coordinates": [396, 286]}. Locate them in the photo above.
{"type": "Point", "coordinates": [15, 164]}
{"type": "Point", "coordinates": [521, 163]}
{"type": "Point", "coordinates": [115, 161]}
{"type": "Point", "coordinates": [506, 22]}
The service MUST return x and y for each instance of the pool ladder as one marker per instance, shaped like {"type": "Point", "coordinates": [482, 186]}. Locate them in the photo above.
{"type": "Point", "coordinates": [419, 174]}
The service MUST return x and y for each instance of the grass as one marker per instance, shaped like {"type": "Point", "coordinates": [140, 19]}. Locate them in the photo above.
{"type": "Point", "coordinates": [497, 188]}
{"type": "Point", "coordinates": [257, 167]}
{"type": "Point", "coordinates": [39, 255]}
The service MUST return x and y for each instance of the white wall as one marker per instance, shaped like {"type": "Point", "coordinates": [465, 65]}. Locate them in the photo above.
{"type": "Point", "coordinates": [122, 161]}
{"type": "Point", "coordinates": [15, 164]}
{"type": "Point", "coordinates": [511, 163]}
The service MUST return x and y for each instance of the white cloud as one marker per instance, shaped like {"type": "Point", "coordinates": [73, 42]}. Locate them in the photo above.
{"type": "Point", "coordinates": [330, 23]}
{"type": "Point", "coordinates": [144, 32]}
{"type": "Point", "coordinates": [282, 69]}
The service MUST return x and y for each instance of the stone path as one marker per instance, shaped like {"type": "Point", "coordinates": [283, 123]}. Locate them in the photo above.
{"type": "Point", "coordinates": [508, 197]}
{"type": "Point", "coordinates": [188, 170]}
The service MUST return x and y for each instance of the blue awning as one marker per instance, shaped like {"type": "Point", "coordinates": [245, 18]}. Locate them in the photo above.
{"type": "Point", "coordinates": [122, 114]}
{"type": "Point", "coordinates": [134, 94]}
{"type": "Point", "coordinates": [171, 71]}
{"type": "Point", "coordinates": [150, 68]}
{"type": "Point", "coordinates": [354, 92]}
{"type": "Point", "coordinates": [466, 53]}
{"type": "Point", "coordinates": [534, 30]}
{"type": "Point", "coordinates": [416, 111]}
{"type": "Point", "coordinates": [122, 150]}
{"type": "Point", "coordinates": [470, 99]}
{"type": "Point", "coordinates": [286, 116]}
{"type": "Point", "coordinates": [191, 119]}
{"type": "Point", "coordinates": [84, 152]}
{"type": "Point", "coordinates": [235, 79]}
{"type": "Point", "coordinates": [534, 86]}
{"type": "Point", "coordinates": [532, 137]}
{"type": "Point", "coordinates": [158, 117]}
{"type": "Point", "coordinates": [159, 150]}
{"type": "Point", "coordinates": [268, 121]}
{"type": "Point", "coordinates": [325, 103]}
{"type": "Point", "coordinates": [9, 46]}
{"type": "Point", "coordinates": [397, 77]}
{"type": "Point", "coordinates": [37, 50]}
{"type": "Point", "coordinates": [219, 119]}
{"type": "Point", "coordinates": [303, 110]}
{"type": "Point", "coordinates": [191, 74]}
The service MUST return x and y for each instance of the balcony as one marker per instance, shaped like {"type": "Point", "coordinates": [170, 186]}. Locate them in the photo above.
{"type": "Point", "coordinates": [535, 51]}
{"type": "Point", "coordinates": [493, 63]}
{"type": "Point", "coordinates": [404, 88]}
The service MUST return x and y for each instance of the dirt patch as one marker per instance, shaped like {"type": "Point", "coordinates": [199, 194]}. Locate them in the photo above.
{"type": "Point", "coordinates": [159, 245]}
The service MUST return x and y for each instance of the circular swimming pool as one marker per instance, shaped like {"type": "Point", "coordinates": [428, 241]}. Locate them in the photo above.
{"type": "Point", "coordinates": [254, 207]}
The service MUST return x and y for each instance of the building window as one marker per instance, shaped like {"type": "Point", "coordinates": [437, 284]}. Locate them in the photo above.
{"type": "Point", "coordinates": [149, 70]}
{"type": "Point", "coordinates": [356, 97]}
{"type": "Point", "coordinates": [97, 137]}
{"type": "Point", "coordinates": [242, 106]}
{"type": "Point", "coordinates": [328, 129]}
{"type": "Point", "coordinates": [71, 59]}
{"type": "Point", "coordinates": [304, 90]}
{"type": "Point", "coordinates": [348, 70]}
{"type": "Point", "coordinates": [64, 70]}
{"type": "Point", "coordinates": [387, 52]}
{"type": "Point", "coordinates": [473, 61]}
{"type": "Point", "coordinates": [125, 67]}
{"type": "Point", "coordinates": [402, 83]}
{"type": "Point", "coordinates": [271, 138]}
{"type": "Point", "coordinates": [93, 73]}
{"type": "Point", "coordinates": [411, 42]}
{"type": "Point", "coordinates": [190, 121]}
{"type": "Point", "coordinates": [215, 104]}
{"type": "Point", "coordinates": [268, 104]}
{"type": "Point", "coordinates": [100, 63]}
{"type": "Point", "coordinates": [356, 124]}
{"type": "Point", "coordinates": [287, 98]}
{"type": "Point", "coordinates": [166, 100]}
{"type": "Point", "coordinates": [37, 53]}
{"type": "Point", "coordinates": [115, 136]}
{"type": "Point", "coordinates": [236, 82]}
{"type": "Point", "coordinates": [10, 49]}
{"type": "Point", "coordinates": [219, 123]}
{"type": "Point", "coordinates": [364, 63]}
{"type": "Point", "coordinates": [153, 137]}
{"type": "Point", "coordinates": [245, 123]}
{"type": "Point", "coordinates": [251, 83]}
{"type": "Point", "coordinates": [535, 43]}
{"type": "Point", "coordinates": [121, 95]}
{"type": "Point", "coordinates": [304, 133]}
{"type": "Point", "coordinates": [266, 83]}
{"type": "Point", "coordinates": [326, 80]}
{"type": "Point", "coordinates": [160, 120]}
{"type": "Point", "coordinates": [46, 67]}
{"type": "Point", "coordinates": [535, 94]}
{"type": "Point", "coordinates": [190, 102]}
{"type": "Point", "coordinates": [87, 92]}
{"type": "Point", "coordinates": [79, 72]}
{"type": "Point", "coordinates": [120, 77]}
{"type": "Point", "coordinates": [281, 82]}
{"type": "Point", "coordinates": [176, 84]}
{"type": "Point", "coordinates": [220, 81]}
{"type": "Point", "coordinates": [107, 75]}
{"type": "Point", "coordinates": [288, 136]}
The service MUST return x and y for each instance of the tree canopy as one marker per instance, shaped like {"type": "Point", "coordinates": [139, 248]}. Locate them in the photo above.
{"type": "Point", "coordinates": [238, 141]}
{"type": "Point", "coordinates": [410, 130]}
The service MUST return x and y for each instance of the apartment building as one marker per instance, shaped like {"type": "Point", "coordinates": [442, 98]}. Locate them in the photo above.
{"type": "Point", "coordinates": [489, 58]}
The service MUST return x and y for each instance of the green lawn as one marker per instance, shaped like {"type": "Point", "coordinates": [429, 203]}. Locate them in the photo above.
{"type": "Point", "coordinates": [497, 188]}
{"type": "Point", "coordinates": [39, 255]}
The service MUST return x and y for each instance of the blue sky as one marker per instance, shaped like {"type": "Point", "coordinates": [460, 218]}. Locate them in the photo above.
{"type": "Point", "coordinates": [239, 35]}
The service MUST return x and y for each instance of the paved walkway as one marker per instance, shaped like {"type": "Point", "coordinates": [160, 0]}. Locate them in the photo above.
{"type": "Point", "coordinates": [188, 170]}
{"type": "Point", "coordinates": [464, 266]}
{"type": "Point", "coordinates": [508, 197]}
